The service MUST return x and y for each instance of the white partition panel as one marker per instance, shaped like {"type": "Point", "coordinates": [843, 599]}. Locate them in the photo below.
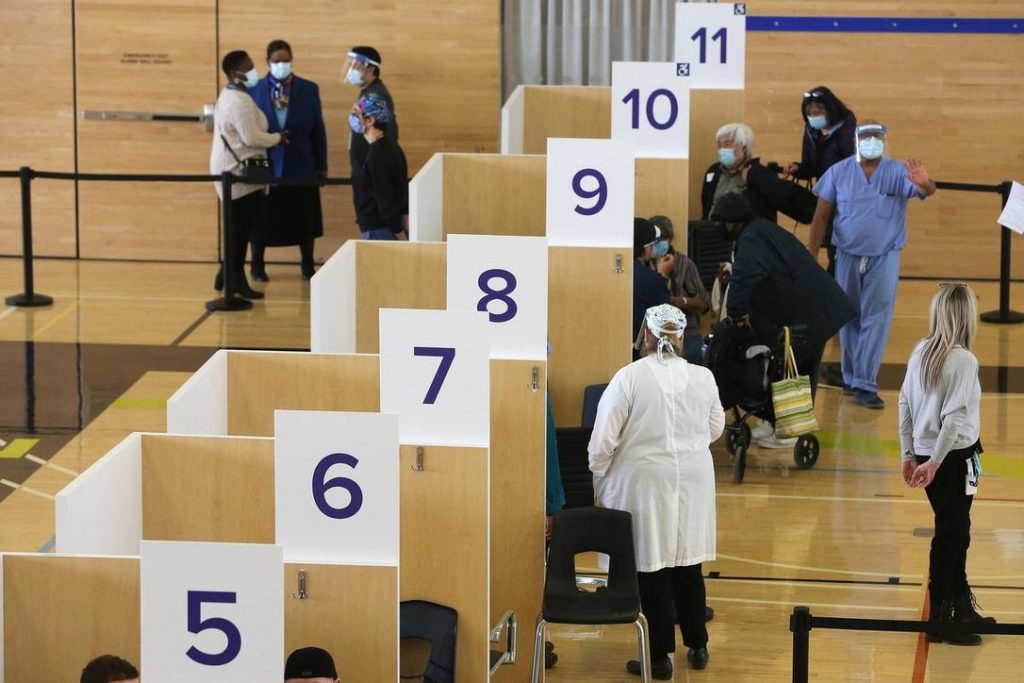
{"type": "Point", "coordinates": [200, 406]}
{"type": "Point", "coordinates": [426, 202]}
{"type": "Point", "coordinates": [100, 512]}
{"type": "Point", "coordinates": [512, 122]}
{"type": "Point", "coordinates": [332, 303]}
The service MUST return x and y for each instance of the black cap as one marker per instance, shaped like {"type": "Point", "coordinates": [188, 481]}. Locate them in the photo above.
{"type": "Point", "coordinates": [732, 208]}
{"type": "Point", "coordinates": [310, 662]}
{"type": "Point", "coordinates": [644, 233]}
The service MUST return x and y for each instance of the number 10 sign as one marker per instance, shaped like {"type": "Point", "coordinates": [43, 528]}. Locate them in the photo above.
{"type": "Point", "coordinates": [651, 108]}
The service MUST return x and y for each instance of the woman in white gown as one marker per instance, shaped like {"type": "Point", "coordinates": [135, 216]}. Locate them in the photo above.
{"type": "Point", "coordinates": [650, 455]}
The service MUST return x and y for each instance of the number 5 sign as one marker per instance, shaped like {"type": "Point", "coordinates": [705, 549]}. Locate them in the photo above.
{"type": "Point", "coordinates": [589, 193]}
{"type": "Point", "coordinates": [211, 612]}
{"type": "Point", "coordinates": [435, 375]}
{"type": "Point", "coordinates": [651, 108]}
{"type": "Point", "coordinates": [711, 43]}
{"type": "Point", "coordinates": [336, 487]}
{"type": "Point", "coordinates": [507, 278]}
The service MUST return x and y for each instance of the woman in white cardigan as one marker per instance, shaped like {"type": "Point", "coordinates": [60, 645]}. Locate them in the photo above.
{"type": "Point", "coordinates": [940, 438]}
{"type": "Point", "coordinates": [650, 455]}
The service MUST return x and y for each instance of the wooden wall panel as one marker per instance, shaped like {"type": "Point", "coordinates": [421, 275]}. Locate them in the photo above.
{"type": "Point", "coordinates": [564, 112]}
{"type": "Point", "coordinates": [591, 306]}
{"type": "Point", "coordinates": [396, 275]}
{"type": "Point", "coordinates": [661, 188]}
{"type": "Point", "coordinates": [135, 220]}
{"type": "Point", "coordinates": [495, 194]}
{"type": "Point", "coordinates": [61, 612]}
{"type": "Point", "coordinates": [259, 383]}
{"type": "Point", "coordinates": [37, 123]}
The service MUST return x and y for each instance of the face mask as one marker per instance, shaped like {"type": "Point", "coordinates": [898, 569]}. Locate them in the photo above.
{"type": "Point", "coordinates": [726, 156]}
{"type": "Point", "coordinates": [356, 124]}
{"type": "Point", "coordinates": [280, 70]}
{"type": "Point", "coordinates": [659, 249]}
{"type": "Point", "coordinates": [355, 78]}
{"type": "Point", "coordinates": [817, 122]}
{"type": "Point", "coordinates": [871, 148]}
{"type": "Point", "coordinates": [252, 77]}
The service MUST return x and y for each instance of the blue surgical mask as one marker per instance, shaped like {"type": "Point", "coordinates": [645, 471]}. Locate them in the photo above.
{"type": "Point", "coordinates": [252, 77]}
{"type": "Point", "coordinates": [659, 249]}
{"type": "Point", "coordinates": [817, 122]}
{"type": "Point", "coordinates": [355, 78]}
{"type": "Point", "coordinates": [726, 156]}
{"type": "Point", "coordinates": [871, 148]}
{"type": "Point", "coordinates": [356, 124]}
{"type": "Point", "coordinates": [280, 70]}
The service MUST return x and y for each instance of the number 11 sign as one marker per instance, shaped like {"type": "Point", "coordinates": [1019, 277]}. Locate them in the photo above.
{"type": "Point", "coordinates": [711, 43]}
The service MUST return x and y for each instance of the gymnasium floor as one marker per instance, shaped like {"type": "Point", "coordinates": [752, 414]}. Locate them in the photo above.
{"type": "Point", "coordinates": [846, 538]}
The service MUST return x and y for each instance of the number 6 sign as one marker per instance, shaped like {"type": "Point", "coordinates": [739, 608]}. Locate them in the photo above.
{"type": "Point", "coordinates": [336, 486]}
{"type": "Point", "coordinates": [589, 193]}
{"type": "Point", "coordinates": [211, 611]}
{"type": "Point", "coordinates": [435, 375]}
{"type": "Point", "coordinates": [651, 108]}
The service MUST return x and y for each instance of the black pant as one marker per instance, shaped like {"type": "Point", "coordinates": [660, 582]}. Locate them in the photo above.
{"type": "Point", "coordinates": [246, 214]}
{"type": "Point", "coordinates": [305, 251]}
{"type": "Point", "coordinates": [683, 587]}
{"type": "Point", "coordinates": [947, 563]}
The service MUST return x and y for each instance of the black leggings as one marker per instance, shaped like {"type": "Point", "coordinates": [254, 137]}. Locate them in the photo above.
{"type": "Point", "coordinates": [246, 214]}
{"type": "Point", "coordinates": [683, 588]}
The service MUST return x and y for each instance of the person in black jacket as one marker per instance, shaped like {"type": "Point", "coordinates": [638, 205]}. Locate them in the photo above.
{"type": "Point", "coordinates": [382, 186]}
{"type": "Point", "coordinates": [776, 282]}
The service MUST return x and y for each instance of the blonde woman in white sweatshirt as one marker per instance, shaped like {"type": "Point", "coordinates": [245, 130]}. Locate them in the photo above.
{"type": "Point", "coordinates": [940, 429]}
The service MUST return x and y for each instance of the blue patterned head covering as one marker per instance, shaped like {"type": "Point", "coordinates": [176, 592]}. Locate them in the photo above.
{"type": "Point", "coordinates": [375, 106]}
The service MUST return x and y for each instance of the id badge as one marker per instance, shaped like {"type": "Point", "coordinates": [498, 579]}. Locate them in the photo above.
{"type": "Point", "coordinates": [973, 473]}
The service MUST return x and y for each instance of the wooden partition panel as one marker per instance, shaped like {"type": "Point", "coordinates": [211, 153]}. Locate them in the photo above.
{"type": "Point", "coordinates": [396, 275]}
{"type": "Point", "coordinates": [495, 194]}
{"type": "Point", "coordinates": [192, 489]}
{"type": "Point", "coordinates": [444, 542]}
{"type": "Point", "coordinates": [60, 612]}
{"type": "Point", "coordinates": [709, 111]}
{"type": "Point", "coordinates": [37, 126]}
{"type": "Point", "coordinates": [590, 305]}
{"type": "Point", "coordinates": [518, 471]}
{"type": "Point", "coordinates": [260, 383]}
{"type": "Point", "coordinates": [146, 57]}
{"type": "Point", "coordinates": [564, 111]}
{"type": "Point", "coordinates": [661, 188]}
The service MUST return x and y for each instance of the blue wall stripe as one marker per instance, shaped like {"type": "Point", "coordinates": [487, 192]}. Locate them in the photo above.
{"type": "Point", "coordinates": [885, 25]}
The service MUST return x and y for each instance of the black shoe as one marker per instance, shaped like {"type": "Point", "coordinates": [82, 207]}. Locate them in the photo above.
{"type": "Point", "coordinates": [661, 669]}
{"type": "Point", "coordinates": [308, 271]}
{"type": "Point", "coordinates": [709, 614]}
{"type": "Point", "coordinates": [966, 609]}
{"type": "Point", "coordinates": [259, 275]}
{"type": "Point", "coordinates": [247, 292]}
{"type": "Point", "coordinates": [218, 281]}
{"type": "Point", "coordinates": [697, 657]}
{"type": "Point", "coordinates": [942, 618]}
{"type": "Point", "coordinates": [550, 659]}
{"type": "Point", "coordinates": [848, 390]}
{"type": "Point", "coordinates": [549, 647]}
{"type": "Point", "coordinates": [869, 399]}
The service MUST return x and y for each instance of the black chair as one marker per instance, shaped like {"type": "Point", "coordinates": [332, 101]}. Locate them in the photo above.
{"type": "Point", "coordinates": [574, 466]}
{"type": "Point", "coordinates": [592, 529]}
{"type": "Point", "coordinates": [591, 397]}
{"type": "Point", "coordinates": [439, 626]}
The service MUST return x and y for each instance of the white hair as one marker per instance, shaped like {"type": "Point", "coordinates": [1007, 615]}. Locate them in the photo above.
{"type": "Point", "coordinates": [740, 133]}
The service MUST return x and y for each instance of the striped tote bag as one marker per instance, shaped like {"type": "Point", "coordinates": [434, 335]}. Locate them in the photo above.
{"type": "Point", "coordinates": [791, 396]}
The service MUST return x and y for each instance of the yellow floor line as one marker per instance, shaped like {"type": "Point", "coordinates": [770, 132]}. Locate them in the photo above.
{"type": "Point", "coordinates": [850, 499]}
{"type": "Point", "coordinates": [70, 309]}
{"type": "Point", "coordinates": [47, 463]}
{"type": "Point", "coordinates": [19, 487]}
{"type": "Point", "coordinates": [808, 584]}
{"type": "Point", "coordinates": [825, 605]}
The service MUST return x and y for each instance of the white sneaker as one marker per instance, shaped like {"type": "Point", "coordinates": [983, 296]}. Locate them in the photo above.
{"type": "Point", "coordinates": [774, 442]}
{"type": "Point", "coordinates": [763, 430]}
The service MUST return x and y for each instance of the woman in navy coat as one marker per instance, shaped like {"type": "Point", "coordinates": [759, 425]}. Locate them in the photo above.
{"type": "Point", "coordinates": [294, 215]}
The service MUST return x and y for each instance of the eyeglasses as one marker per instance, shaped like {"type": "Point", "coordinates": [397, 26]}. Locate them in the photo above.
{"type": "Point", "coordinates": [953, 284]}
{"type": "Point", "coordinates": [813, 94]}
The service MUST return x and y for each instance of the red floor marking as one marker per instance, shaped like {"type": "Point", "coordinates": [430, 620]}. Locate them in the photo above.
{"type": "Point", "coordinates": [921, 658]}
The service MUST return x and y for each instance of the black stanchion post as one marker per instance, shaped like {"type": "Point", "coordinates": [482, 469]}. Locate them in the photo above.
{"type": "Point", "coordinates": [29, 296]}
{"type": "Point", "coordinates": [228, 302]}
{"type": "Point", "coordinates": [800, 625]}
{"type": "Point", "coordinates": [1004, 315]}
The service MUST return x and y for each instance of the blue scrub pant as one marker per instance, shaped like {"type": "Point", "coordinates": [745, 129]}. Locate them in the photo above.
{"type": "Point", "coordinates": [378, 234]}
{"type": "Point", "coordinates": [870, 282]}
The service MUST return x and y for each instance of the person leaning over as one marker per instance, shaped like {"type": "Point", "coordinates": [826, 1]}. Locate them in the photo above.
{"type": "Point", "coordinates": [383, 183]}
{"type": "Point", "coordinates": [650, 456]}
{"type": "Point", "coordinates": [239, 134]}
{"type": "Point", "coordinates": [109, 669]}
{"type": "Point", "coordinates": [940, 438]}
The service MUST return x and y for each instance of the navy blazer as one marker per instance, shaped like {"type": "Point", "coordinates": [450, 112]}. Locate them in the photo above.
{"type": "Point", "coordinates": [306, 153]}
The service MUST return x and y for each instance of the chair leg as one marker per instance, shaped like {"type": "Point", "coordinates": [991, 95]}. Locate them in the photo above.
{"type": "Point", "coordinates": [538, 675]}
{"type": "Point", "coordinates": [645, 648]}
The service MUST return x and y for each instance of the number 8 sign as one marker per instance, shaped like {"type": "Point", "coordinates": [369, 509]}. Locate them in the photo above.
{"type": "Point", "coordinates": [651, 108]}
{"type": "Point", "coordinates": [589, 193]}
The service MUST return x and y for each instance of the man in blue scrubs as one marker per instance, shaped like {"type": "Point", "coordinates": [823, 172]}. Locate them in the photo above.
{"type": "Point", "coordinates": [869, 193]}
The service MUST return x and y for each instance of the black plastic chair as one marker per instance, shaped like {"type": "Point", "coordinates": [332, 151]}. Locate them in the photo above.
{"type": "Point", "coordinates": [438, 625]}
{"type": "Point", "coordinates": [592, 529]}
{"type": "Point", "coordinates": [574, 466]}
{"type": "Point", "coordinates": [591, 397]}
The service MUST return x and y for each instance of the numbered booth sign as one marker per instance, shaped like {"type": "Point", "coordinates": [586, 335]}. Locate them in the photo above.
{"type": "Point", "coordinates": [506, 278]}
{"type": "Point", "coordinates": [211, 612]}
{"type": "Point", "coordinates": [336, 487]}
{"type": "Point", "coordinates": [590, 193]}
{"type": "Point", "coordinates": [651, 108]}
{"type": "Point", "coordinates": [711, 44]}
{"type": "Point", "coordinates": [435, 375]}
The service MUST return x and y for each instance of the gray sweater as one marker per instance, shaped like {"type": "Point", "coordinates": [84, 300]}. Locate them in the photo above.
{"type": "Point", "coordinates": [237, 117]}
{"type": "Point", "coordinates": [933, 423]}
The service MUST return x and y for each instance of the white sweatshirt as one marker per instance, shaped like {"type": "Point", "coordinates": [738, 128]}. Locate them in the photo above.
{"type": "Point", "coordinates": [237, 117]}
{"type": "Point", "coordinates": [933, 423]}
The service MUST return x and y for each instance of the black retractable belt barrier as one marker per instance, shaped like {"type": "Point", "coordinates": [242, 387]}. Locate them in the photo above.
{"type": "Point", "coordinates": [228, 302]}
{"type": "Point", "coordinates": [29, 297]}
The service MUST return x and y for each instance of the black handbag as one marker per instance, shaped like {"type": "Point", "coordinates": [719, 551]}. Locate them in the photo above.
{"type": "Point", "coordinates": [799, 204]}
{"type": "Point", "coordinates": [254, 170]}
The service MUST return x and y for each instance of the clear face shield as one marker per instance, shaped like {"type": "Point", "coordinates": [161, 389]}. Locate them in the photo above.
{"type": "Point", "coordinates": [354, 70]}
{"type": "Point", "coordinates": [871, 138]}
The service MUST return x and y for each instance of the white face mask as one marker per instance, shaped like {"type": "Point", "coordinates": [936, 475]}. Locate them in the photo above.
{"type": "Point", "coordinates": [252, 77]}
{"type": "Point", "coordinates": [871, 148]}
{"type": "Point", "coordinates": [355, 78]}
{"type": "Point", "coordinates": [280, 70]}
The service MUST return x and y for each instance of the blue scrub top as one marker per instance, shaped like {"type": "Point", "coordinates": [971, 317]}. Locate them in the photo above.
{"type": "Point", "coordinates": [871, 215]}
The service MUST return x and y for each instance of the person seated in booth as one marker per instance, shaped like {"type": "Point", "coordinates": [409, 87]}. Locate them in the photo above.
{"type": "Point", "coordinates": [382, 186]}
{"type": "Point", "coordinates": [310, 665]}
{"type": "Point", "coordinates": [686, 288]}
{"type": "Point", "coordinates": [109, 669]}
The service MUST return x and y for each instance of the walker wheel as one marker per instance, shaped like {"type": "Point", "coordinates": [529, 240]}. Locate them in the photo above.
{"type": "Point", "coordinates": [737, 434]}
{"type": "Point", "coordinates": [739, 464]}
{"type": "Point", "coordinates": [805, 451]}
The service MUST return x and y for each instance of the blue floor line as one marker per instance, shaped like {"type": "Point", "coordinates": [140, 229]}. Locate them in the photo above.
{"type": "Point", "coordinates": [48, 546]}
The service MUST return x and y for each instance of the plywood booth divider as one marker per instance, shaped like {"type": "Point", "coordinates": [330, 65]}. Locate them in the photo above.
{"type": "Point", "coordinates": [426, 202]}
{"type": "Point", "coordinates": [332, 302]}
{"type": "Point", "coordinates": [200, 405]}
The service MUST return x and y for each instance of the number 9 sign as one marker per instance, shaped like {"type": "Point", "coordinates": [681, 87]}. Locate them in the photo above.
{"type": "Point", "coordinates": [589, 193]}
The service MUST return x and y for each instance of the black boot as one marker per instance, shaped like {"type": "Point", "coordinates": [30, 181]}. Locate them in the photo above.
{"type": "Point", "coordinates": [661, 668]}
{"type": "Point", "coordinates": [697, 657]}
{"type": "Point", "coordinates": [940, 620]}
{"type": "Point", "coordinates": [218, 281]}
{"type": "Point", "coordinates": [306, 252]}
{"type": "Point", "coordinates": [967, 607]}
{"type": "Point", "coordinates": [243, 289]}
{"type": "Point", "coordinates": [259, 267]}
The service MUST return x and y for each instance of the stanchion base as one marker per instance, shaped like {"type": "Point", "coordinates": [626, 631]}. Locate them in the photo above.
{"type": "Point", "coordinates": [1011, 317]}
{"type": "Point", "coordinates": [29, 300]}
{"type": "Point", "coordinates": [224, 303]}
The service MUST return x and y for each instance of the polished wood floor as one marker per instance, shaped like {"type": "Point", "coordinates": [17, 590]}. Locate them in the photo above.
{"type": "Point", "coordinates": [846, 538]}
